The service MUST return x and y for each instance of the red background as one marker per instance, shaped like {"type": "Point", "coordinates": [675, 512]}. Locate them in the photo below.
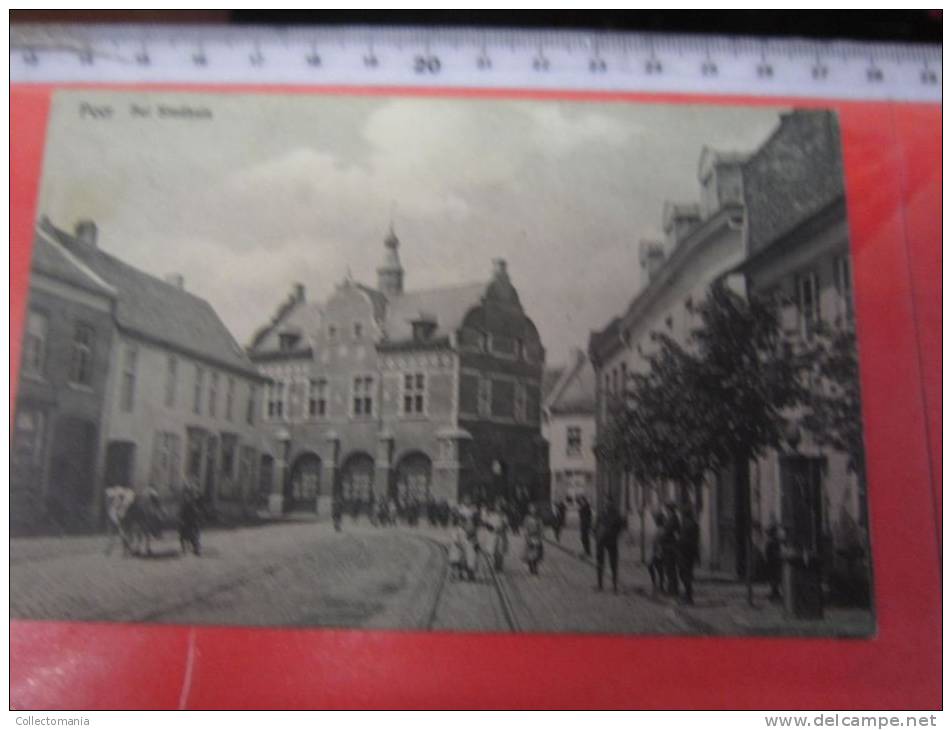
{"type": "Point", "coordinates": [892, 154]}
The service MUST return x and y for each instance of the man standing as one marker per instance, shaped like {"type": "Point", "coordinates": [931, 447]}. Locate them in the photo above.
{"type": "Point", "coordinates": [585, 524]}
{"type": "Point", "coordinates": [688, 550]}
{"type": "Point", "coordinates": [607, 528]}
{"type": "Point", "coordinates": [558, 519]}
{"type": "Point", "coordinates": [669, 548]}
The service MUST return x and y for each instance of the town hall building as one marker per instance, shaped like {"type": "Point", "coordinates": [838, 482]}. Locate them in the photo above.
{"type": "Point", "coordinates": [431, 394]}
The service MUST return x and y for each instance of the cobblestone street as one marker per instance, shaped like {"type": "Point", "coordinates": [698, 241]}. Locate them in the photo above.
{"type": "Point", "coordinates": [306, 574]}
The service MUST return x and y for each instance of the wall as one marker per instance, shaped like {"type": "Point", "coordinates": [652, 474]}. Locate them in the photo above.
{"type": "Point", "coordinates": [32, 492]}
{"type": "Point", "coordinates": [151, 415]}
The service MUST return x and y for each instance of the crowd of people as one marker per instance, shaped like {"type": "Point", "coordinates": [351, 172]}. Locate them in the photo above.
{"type": "Point", "coordinates": [477, 527]}
{"type": "Point", "coordinates": [674, 552]}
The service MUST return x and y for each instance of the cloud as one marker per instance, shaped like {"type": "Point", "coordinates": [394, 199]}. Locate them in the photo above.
{"type": "Point", "coordinates": [555, 132]}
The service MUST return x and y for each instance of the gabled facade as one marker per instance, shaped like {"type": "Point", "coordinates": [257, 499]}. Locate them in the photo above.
{"type": "Point", "coordinates": [569, 427]}
{"type": "Point", "coordinates": [413, 394]}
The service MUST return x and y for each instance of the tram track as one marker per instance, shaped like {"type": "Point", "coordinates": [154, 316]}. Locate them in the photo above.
{"type": "Point", "coordinates": [502, 598]}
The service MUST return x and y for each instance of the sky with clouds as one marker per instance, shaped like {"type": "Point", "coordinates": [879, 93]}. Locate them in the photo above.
{"type": "Point", "coordinates": [279, 189]}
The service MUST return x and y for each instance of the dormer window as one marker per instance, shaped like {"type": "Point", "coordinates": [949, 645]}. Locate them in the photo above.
{"type": "Point", "coordinates": [423, 327]}
{"type": "Point", "coordinates": [423, 331]}
{"type": "Point", "coordinates": [358, 330]}
{"type": "Point", "coordinates": [288, 340]}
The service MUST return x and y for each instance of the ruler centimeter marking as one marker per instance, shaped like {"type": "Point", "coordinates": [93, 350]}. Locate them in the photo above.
{"type": "Point", "coordinates": [475, 58]}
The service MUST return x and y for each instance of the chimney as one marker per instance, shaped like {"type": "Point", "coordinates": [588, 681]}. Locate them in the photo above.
{"type": "Point", "coordinates": [298, 293]}
{"type": "Point", "coordinates": [499, 269]}
{"type": "Point", "coordinates": [86, 233]}
{"type": "Point", "coordinates": [176, 280]}
{"type": "Point", "coordinates": [651, 257]}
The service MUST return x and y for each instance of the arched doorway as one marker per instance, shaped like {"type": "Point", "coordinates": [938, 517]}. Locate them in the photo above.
{"type": "Point", "coordinates": [357, 477]}
{"type": "Point", "coordinates": [305, 484]}
{"type": "Point", "coordinates": [414, 477]}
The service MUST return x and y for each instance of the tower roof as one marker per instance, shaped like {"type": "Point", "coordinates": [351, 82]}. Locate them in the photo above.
{"type": "Point", "coordinates": [391, 258]}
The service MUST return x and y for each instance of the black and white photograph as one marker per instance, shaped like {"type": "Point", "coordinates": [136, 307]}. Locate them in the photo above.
{"type": "Point", "coordinates": [441, 363]}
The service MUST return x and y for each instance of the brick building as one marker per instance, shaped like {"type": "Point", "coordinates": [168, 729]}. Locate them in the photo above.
{"type": "Point", "coordinates": [56, 459]}
{"type": "Point", "coordinates": [410, 393]}
{"type": "Point", "coordinates": [178, 393]}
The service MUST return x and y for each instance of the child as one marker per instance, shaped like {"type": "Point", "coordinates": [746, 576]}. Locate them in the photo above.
{"type": "Point", "coordinates": [457, 552]}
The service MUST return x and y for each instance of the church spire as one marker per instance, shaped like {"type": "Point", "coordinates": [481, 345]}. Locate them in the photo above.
{"type": "Point", "coordinates": [390, 273]}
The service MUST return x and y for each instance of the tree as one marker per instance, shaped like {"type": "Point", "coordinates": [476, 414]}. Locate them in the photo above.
{"type": "Point", "coordinates": [720, 399]}
{"type": "Point", "coordinates": [833, 415]}
{"type": "Point", "coordinates": [833, 418]}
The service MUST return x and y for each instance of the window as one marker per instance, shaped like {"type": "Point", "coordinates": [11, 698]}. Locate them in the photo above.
{"type": "Point", "coordinates": [246, 469]}
{"type": "Point", "coordinates": [34, 343]}
{"type": "Point", "coordinates": [229, 449]}
{"type": "Point", "coordinates": [414, 388]}
{"type": "Point", "coordinates": [288, 341]}
{"type": "Point", "coordinates": [844, 286]}
{"type": "Point", "coordinates": [127, 396]}
{"type": "Point", "coordinates": [423, 329]}
{"type": "Point", "coordinates": [808, 303]}
{"type": "Point", "coordinates": [503, 346]}
{"type": "Point", "coordinates": [471, 339]}
{"type": "Point", "coordinates": [213, 394]}
{"type": "Point", "coordinates": [520, 405]}
{"type": "Point", "coordinates": [469, 393]}
{"type": "Point", "coordinates": [358, 330]}
{"type": "Point", "coordinates": [573, 442]}
{"type": "Point", "coordinates": [199, 387]}
{"type": "Point", "coordinates": [484, 397]}
{"type": "Point", "coordinates": [623, 385]}
{"type": "Point", "coordinates": [229, 398]}
{"type": "Point", "coordinates": [503, 398]}
{"type": "Point", "coordinates": [276, 400]}
{"type": "Point", "coordinates": [363, 396]}
{"type": "Point", "coordinates": [317, 400]}
{"type": "Point", "coordinates": [28, 439]}
{"type": "Point", "coordinates": [331, 332]}
{"type": "Point", "coordinates": [81, 366]}
{"type": "Point", "coordinates": [171, 378]}
{"type": "Point", "coordinates": [195, 455]}
{"type": "Point", "coordinates": [250, 412]}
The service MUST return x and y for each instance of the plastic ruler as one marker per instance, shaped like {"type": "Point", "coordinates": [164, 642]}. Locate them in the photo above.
{"type": "Point", "coordinates": [474, 58]}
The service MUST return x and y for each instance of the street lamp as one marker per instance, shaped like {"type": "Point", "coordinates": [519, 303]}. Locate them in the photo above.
{"type": "Point", "coordinates": [283, 437]}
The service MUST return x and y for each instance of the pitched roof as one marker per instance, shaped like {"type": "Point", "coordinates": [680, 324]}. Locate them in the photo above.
{"type": "Point", "coordinates": [550, 378]}
{"type": "Point", "coordinates": [795, 174]}
{"type": "Point", "coordinates": [52, 259]}
{"type": "Point", "coordinates": [158, 311]}
{"type": "Point", "coordinates": [575, 391]}
{"type": "Point", "coordinates": [303, 318]}
{"type": "Point", "coordinates": [447, 305]}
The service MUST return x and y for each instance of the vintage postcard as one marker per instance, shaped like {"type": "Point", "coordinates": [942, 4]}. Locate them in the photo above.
{"type": "Point", "coordinates": [451, 364]}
